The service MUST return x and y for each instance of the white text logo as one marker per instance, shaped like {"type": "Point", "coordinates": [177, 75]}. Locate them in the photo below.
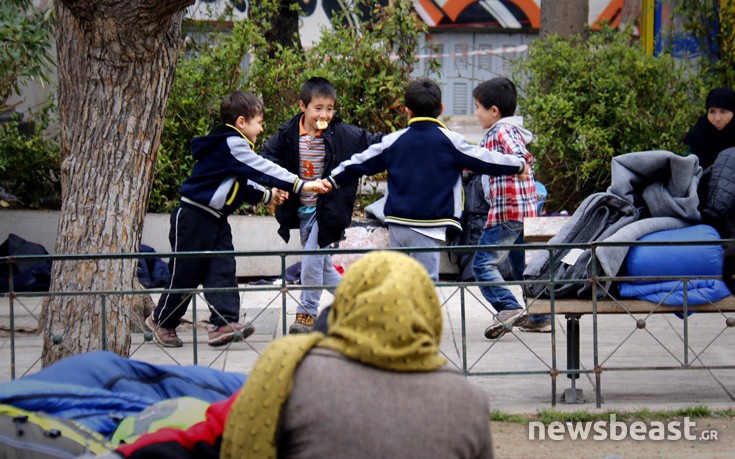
{"type": "Point", "coordinates": [618, 430]}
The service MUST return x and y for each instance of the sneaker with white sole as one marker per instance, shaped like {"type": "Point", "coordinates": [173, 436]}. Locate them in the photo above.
{"type": "Point", "coordinates": [504, 320]}
{"type": "Point", "coordinates": [233, 331]}
{"type": "Point", "coordinates": [166, 337]}
{"type": "Point", "coordinates": [528, 324]}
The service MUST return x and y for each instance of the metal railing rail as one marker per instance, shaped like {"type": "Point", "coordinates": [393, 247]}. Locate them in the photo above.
{"type": "Point", "coordinates": [470, 365]}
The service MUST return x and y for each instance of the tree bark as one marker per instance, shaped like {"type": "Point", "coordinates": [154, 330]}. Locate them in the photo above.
{"type": "Point", "coordinates": [564, 18]}
{"type": "Point", "coordinates": [284, 28]}
{"type": "Point", "coordinates": [116, 63]}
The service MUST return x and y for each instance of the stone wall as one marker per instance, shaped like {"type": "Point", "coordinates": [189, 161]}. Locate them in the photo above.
{"type": "Point", "coordinates": [249, 234]}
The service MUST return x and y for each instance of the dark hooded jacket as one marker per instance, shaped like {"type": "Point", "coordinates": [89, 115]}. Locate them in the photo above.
{"type": "Point", "coordinates": [334, 209]}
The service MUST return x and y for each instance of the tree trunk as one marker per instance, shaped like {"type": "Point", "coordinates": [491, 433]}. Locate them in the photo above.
{"type": "Point", "coordinates": [564, 18]}
{"type": "Point", "coordinates": [284, 28]}
{"type": "Point", "coordinates": [116, 63]}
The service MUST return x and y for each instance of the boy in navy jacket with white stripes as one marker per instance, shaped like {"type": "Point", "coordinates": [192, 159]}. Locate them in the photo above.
{"type": "Point", "coordinates": [226, 174]}
{"type": "Point", "coordinates": [424, 163]}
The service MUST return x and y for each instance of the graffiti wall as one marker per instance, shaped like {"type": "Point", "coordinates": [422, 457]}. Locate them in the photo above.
{"type": "Point", "coordinates": [439, 14]}
{"type": "Point", "coordinates": [504, 14]}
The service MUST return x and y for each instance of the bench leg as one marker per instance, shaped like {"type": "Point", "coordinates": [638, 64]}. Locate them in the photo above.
{"type": "Point", "coordinates": [573, 395]}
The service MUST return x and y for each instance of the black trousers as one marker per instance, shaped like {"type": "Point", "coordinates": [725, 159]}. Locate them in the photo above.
{"type": "Point", "coordinates": [196, 230]}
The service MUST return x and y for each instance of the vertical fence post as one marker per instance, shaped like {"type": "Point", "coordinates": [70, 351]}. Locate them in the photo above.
{"type": "Point", "coordinates": [284, 290]}
{"type": "Point", "coordinates": [554, 363]}
{"type": "Point", "coordinates": [464, 329]}
{"type": "Point", "coordinates": [194, 328]}
{"type": "Point", "coordinates": [685, 318]}
{"type": "Point", "coordinates": [11, 298]}
{"type": "Point", "coordinates": [103, 322]}
{"type": "Point", "coordinates": [595, 337]}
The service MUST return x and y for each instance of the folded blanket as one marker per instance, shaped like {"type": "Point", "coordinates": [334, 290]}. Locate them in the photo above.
{"type": "Point", "coordinates": [671, 293]}
{"type": "Point", "coordinates": [676, 260]}
{"type": "Point", "coordinates": [600, 215]}
{"type": "Point", "coordinates": [661, 182]}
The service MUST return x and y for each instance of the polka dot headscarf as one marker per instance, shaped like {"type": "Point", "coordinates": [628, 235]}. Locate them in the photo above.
{"type": "Point", "coordinates": [385, 314]}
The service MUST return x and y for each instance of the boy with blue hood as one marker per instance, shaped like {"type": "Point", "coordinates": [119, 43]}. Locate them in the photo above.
{"type": "Point", "coordinates": [226, 174]}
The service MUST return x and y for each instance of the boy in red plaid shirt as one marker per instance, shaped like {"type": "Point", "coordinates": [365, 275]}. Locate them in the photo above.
{"type": "Point", "coordinates": [511, 199]}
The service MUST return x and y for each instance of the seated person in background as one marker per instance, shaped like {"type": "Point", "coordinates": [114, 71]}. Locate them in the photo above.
{"type": "Point", "coordinates": [374, 386]}
{"type": "Point", "coordinates": [711, 135]}
{"type": "Point", "coordinates": [714, 131]}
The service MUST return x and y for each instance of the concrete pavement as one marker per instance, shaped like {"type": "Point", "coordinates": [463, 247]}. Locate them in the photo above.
{"type": "Point", "coordinates": [515, 371]}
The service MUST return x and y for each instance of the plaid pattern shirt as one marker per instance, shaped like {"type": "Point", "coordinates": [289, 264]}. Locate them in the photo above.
{"type": "Point", "coordinates": [510, 199]}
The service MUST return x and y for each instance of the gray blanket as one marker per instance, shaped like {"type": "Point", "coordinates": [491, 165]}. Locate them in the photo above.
{"type": "Point", "coordinates": [599, 216]}
{"type": "Point", "coordinates": [650, 191]}
{"type": "Point", "coordinates": [662, 182]}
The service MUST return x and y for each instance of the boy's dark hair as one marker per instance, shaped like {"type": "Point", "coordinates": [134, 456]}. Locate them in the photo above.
{"type": "Point", "coordinates": [500, 92]}
{"type": "Point", "coordinates": [424, 98]}
{"type": "Point", "coordinates": [240, 103]}
{"type": "Point", "coordinates": [316, 86]}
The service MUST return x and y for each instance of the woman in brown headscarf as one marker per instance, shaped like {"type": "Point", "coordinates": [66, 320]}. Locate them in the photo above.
{"type": "Point", "coordinates": [375, 386]}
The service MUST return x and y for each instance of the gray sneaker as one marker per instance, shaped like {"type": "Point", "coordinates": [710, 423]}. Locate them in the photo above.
{"type": "Point", "coordinates": [504, 318]}
{"type": "Point", "coordinates": [166, 337]}
{"type": "Point", "coordinates": [527, 324]}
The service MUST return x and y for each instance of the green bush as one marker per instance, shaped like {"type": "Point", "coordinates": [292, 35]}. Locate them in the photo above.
{"type": "Point", "coordinates": [588, 101]}
{"type": "Point", "coordinates": [29, 163]}
{"type": "Point", "coordinates": [26, 34]}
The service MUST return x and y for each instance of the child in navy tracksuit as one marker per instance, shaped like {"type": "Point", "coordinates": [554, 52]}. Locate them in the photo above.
{"type": "Point", "coordinates": [424, 163]}
{"type": "Point", "coordinates": [223, 178]}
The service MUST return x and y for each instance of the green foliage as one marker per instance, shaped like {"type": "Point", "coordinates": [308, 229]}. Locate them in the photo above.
{"type": "Point", "coordinates": [712, 23]}
{"type": "Point", "coordinates": [25, 54]}
{"type": "Point", "coordinates": [207, 70]}
{"type": "Point", "coordinates": [547, 416]}
{"type": "Point", "coordinates": [30, 162]}
{"type": "Point", "coordinates": [369, 67]}
{"type": "Point", "coordinates": [588, 101]}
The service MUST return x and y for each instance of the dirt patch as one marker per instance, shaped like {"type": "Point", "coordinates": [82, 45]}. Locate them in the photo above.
{"type": "Point", "coordinates": [511, 440]}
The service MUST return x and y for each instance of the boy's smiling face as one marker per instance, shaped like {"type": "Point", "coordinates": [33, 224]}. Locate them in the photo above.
{"type": "Point", "coordinates": [487, 116]}
{"type": "Point", "coordinates": [251, 128]}
{"type": "Point", "coordinates": [319, 111]}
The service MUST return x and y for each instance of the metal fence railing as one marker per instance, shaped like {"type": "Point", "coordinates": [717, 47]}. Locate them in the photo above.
{"type": "Point", "coordinates": [605, 349]}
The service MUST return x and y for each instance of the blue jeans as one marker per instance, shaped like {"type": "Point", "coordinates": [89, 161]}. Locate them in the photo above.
{"type": "Point", "coordinates": [403, 236]}
{"type": "Point", "coordinates": [485, 265]}
{"type": "Point", "coordinates": [315, 269]}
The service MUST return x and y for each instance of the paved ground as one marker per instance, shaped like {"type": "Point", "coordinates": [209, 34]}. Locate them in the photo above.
{"type": "Point", "coordinates": [514, 371]}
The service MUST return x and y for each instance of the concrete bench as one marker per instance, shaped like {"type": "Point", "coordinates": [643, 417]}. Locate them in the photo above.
{"type": "Point", "coordinates": [541, 229]}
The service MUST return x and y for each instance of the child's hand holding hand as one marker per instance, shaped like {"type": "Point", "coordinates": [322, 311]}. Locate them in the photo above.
{"type": "Point", "coordinates": [278, 197]}
{"type": "Point", "coordinates": [315, 186]}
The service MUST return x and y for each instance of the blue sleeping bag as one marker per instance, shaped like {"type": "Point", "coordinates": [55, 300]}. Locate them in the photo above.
{"type": "Point", "coordinates": [98, 389]}
{"type": "Point", "coordinates": [671, 260]}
